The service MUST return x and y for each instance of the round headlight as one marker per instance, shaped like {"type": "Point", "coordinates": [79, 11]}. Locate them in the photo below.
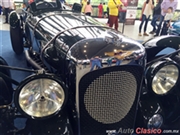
{"type": "Point", "coordinates": [163, 77]}
{"type": "Point", "coordinates": [40, 96]}
{"type": "Point", "coordinates": [155, 122]}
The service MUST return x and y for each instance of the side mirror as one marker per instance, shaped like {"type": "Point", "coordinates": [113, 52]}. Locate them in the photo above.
{"type": "Point", "coordinates": [76, 7]}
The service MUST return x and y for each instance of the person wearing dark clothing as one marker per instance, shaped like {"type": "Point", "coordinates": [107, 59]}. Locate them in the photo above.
{"type": "Point", "coordinates": [167, 21]}
{"type": "Point", "coordinates": [122, 13]}
{"type": "Point", "coordinates": [156, 16]}
{"type": "Point", "coordinates": [145, 15]}
{"type": "Point", "coordinates": [107, 11]}
{"type": "Point", "coordinates": [7, 5]}
{"type": "Point", "coordinates": [109, 62]}
{"type": "Point", "coordinates": [164, 7]}
{"type": "Point", "coordinates": [0, 9]}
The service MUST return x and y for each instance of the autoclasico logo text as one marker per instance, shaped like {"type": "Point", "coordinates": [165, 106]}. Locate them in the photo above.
{"type": "Point", "coordinates": [139, 130]}
{"type": "Point", "coordinates": [148, 131]}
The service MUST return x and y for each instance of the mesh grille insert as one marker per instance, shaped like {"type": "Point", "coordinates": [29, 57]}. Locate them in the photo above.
{"type": "Point", "coordinates": [108, 99]}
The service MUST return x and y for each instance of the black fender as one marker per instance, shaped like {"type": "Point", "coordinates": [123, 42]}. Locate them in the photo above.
{"type": "Point", "coordinates": [6, 90]}
{"type": "Point", "coordinates": [167, 106]}
{"type": "Point", "coordinates": [171, 108]}
{"type": "Point", "coordinates": [148, 106]}
{"type": "Point", "coordinates": [16, 32]}
{"type": "Point", "coordinates": [154, 45]}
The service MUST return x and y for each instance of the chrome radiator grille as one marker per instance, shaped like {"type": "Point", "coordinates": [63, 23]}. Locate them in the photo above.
{"type": "Point", "coordinates": [103, 97]}
{"type": "Point", "coordinates": [108, 99]}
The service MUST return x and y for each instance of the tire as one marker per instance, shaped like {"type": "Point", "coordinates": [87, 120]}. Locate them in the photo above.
{"type": "Point", "coordinates": [17, 40]}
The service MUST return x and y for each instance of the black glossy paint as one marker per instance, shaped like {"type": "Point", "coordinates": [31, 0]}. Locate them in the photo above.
{"type": "Point", "coordinates": [155, 45]}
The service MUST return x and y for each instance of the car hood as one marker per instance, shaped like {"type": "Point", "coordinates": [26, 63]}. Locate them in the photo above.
{"type": "Point", "coordinates": [76, 30]}
{"type": "Point", "coordinates": [50, 24]}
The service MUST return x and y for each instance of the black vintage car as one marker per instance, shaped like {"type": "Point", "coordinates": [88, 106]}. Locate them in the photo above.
{"type": "Point", "coordinates": [87, 79]}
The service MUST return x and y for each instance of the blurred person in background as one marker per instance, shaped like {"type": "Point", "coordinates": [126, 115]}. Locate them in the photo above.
{"type": "Point", "coordinates": [88, 9]}
{"type": "Point", "coordinates": [145, 15]}
{"type": "Point", "coordinates": [105, 8]}
{"type": "Point", "coordinates": [95, 62]}
{"type": "Point", "coordinates": [164, 9]}
{"type": "Point", "coordinates": [100, 10]}
{"type": "Point", "coordinates": [114, 6]}
{"type": "Point", "coordinates": [0, 9]}
{"type": "Point", "coordinates": [156, 15]}
{"type": "Point", "coordinates": [24, 6]}
{"type": "Point", "coordinates": [167, 21]}
{"type": "Point", "coordinates": [7, 5]}
{"type": "Point", "coordinates": [30, 1]}
{"type": "Point", "coordinates": [14, 6]}
{"type": "Point", "coordinates": [107, 16]}
{"type": "Point", "coordinates": [122, 11]}
{"type": "Point", "coordinates": [109, 61]}
{"type": "Point", "coordinates": [84, 3]}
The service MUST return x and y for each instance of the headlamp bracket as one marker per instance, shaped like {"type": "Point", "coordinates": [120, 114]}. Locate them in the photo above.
{"type": "Point", "coordinates": [41, 71]}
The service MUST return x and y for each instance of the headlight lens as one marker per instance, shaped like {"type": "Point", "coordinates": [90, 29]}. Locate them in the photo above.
{"type": "Point", "coordinates": [165, 79]}
{"type": "Point", "coordinates": [41, 97]}
{"type": "Point", "coordinates": [155, 121]}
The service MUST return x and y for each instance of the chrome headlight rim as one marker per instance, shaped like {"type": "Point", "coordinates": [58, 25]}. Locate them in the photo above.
{"type": "Point", "coordinates": [34, 77]}
{"type": "Point", "coordinates": [154, 68]}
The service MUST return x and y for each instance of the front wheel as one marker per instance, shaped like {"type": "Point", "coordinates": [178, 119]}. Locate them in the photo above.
{"type": "Point", "coordinates": [17, 40]}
